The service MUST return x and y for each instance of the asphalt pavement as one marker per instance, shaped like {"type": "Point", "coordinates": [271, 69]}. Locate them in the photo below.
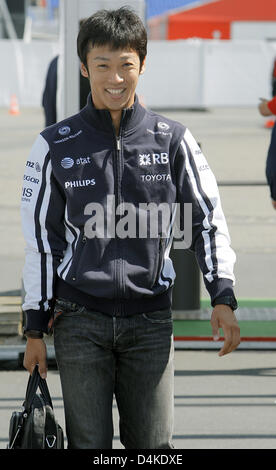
{"type": "Point", "coordinates": [220, 403]}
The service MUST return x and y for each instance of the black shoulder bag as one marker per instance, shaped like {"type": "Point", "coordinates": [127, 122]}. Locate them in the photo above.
{"type": "Point", "coordinates": [36, 426]}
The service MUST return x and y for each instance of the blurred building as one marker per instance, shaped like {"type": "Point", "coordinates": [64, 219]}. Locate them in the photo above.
{"type": "Point", "coordinates": [212, 19]}
{"type": "Point", "coordinates": [234, 50]}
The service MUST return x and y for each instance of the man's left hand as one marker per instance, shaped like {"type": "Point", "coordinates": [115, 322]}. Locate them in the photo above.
{"type": "Point", "coordinates": [224, 317]}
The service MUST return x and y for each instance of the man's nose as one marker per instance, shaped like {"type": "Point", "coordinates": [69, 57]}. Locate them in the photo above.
{"type": "Point", "coordinates": [116, 77]}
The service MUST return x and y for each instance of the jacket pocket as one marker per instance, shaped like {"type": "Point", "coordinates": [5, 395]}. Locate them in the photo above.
{"type": "Point", "coordinates": [159, 316]}
{"type": "Point", "coordinates": [74, 271]}
{"type": "Point", "coordinates": [159, 258]}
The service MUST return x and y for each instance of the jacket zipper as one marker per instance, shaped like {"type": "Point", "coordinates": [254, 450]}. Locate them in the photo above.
{"type": "Point", "coordinates": [119, 259]}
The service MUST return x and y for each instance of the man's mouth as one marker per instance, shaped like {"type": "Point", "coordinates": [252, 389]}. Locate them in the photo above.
{"type": "Point", "coordinates": [114, 91]}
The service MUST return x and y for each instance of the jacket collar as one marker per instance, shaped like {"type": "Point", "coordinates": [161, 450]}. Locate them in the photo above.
{"type": "Point", "coordinates": [101, 118]}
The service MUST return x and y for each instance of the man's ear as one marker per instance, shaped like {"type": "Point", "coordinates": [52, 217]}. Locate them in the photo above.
{"type": "Point", "coordinates": [84, 70]}
{"type": "Point", "coordinates": [143, 66]}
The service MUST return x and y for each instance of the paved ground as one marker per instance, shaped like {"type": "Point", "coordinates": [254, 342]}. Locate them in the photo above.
{"type": "Point", "coordinates": [220, 403]}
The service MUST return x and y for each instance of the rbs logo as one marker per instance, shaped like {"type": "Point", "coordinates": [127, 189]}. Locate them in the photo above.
{"type": "Point", "coordinates": [148, 159]}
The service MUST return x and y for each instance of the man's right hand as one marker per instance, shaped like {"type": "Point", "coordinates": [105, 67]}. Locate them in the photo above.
{"type": "Point", "coordinates": [36, 353]}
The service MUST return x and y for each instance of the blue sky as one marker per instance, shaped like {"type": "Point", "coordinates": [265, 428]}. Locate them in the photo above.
{"type": "Point", "coordinates": [157, 7]}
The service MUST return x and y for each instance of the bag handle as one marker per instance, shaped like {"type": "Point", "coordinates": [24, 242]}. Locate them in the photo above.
{"type": "Point", "coordinates": [34, 382]}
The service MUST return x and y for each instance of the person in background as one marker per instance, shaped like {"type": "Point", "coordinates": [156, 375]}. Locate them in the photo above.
{"type": "Point", "coordinates": [273, 79]}
{"type": "Point", "coordinates": [49, 98]}
{"type": "Point", "coordinates": [268, 108]}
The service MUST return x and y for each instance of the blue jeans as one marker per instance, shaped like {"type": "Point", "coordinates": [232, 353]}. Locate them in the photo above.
{"type": "Point", "coordinates": [100, 356]}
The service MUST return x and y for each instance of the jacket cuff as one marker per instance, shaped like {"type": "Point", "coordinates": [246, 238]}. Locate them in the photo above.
{"type": "Point", "coordinates": [37, 320]}
{"type": "Point", "coordinates": [220, 287]}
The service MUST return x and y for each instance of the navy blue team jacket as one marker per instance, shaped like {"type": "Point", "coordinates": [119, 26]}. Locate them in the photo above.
{"type": "Point", "coordinates": [80, 172]}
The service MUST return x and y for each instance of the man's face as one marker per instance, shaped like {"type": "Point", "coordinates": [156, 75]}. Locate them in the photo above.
{"type": "Point", "coordinates": [113, 76]}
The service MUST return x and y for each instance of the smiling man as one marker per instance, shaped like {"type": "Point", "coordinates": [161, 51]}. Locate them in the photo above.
{"type": "Point", "coordinates": [113, 78]}
{"type": "Point", "coordinates": [108, 298]}
{"type": "Point", "coordinates": [113, 66]}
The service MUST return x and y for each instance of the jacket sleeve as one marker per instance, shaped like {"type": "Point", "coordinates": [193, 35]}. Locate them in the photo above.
{"type": "Point", "coordinates": [210, 238]}
{"type": "Point", "coordinates": [42, 215]}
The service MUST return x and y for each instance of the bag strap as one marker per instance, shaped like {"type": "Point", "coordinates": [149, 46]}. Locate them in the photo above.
{"type": "Point", "coordinates": [45, 392]}
{"type": "Point", "coordinates": [34, 382]}
{"type": "Point", "coordinates": [31, 389]}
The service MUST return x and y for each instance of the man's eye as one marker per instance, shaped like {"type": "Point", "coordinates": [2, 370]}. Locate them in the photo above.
{"type": "Point", "coordinates": [127, 64]}
{"type": "Point", "coordinates": [102, 66]}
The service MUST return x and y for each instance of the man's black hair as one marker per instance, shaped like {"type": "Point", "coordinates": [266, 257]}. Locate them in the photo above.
{"type": "Point", "coordinates": [120, 29]}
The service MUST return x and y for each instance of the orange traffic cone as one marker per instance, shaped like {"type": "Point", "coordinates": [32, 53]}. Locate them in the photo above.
{"type": "Point", "coordinates": [14, 108]}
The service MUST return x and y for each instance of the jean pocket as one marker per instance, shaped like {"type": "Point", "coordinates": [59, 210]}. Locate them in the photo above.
{"type": "Point", "coordinates": [66, 307]}
{"type": "Point", "coordinates": [158, 316]}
